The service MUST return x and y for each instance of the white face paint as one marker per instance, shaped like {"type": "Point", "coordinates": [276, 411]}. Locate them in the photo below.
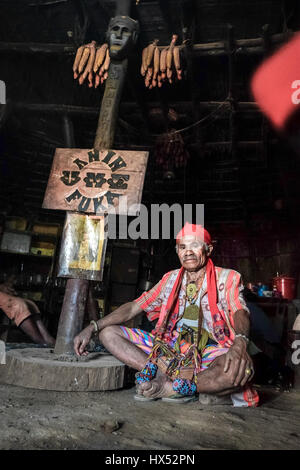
{"type": "Point", "coordinates": [122, 36]}
{"type": "Point", "coordinates": [192, 252]}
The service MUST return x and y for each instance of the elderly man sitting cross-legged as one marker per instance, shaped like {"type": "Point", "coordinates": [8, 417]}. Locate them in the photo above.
{"type": "Point", "coordinates": [200, 341]}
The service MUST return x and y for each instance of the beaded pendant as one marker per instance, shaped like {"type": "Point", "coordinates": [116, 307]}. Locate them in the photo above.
{"type": "Point", "coordinates": [191, 291]}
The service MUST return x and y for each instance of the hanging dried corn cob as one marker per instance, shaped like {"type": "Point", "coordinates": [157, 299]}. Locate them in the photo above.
{"type": "Point", "coordinates": [156, 66]}
{"type": "Point", "coordinates": [170, 58]}
{"type": "Point", "coordinates": [147, 65]}
{"type": "Point", "coordinates": [163, 63]}
{"type": "Point", "coordinates": [176, 56]}
{"type": "Point", "coordinates": [92, 62]}
{"type": "Point", "coordinates": [77, 60]}
{"type": "Point", "coordinates": [150, 53]}
{"type": "Point", "coordinates": [159, 65]}
{"type": "Point", "coordinates": [100, 55]}
{"type": "Point", "coordinates": [144, 59]}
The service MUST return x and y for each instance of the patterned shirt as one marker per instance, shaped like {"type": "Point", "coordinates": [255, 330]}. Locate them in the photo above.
{"type": "Point", "coordinates": [230, 298]}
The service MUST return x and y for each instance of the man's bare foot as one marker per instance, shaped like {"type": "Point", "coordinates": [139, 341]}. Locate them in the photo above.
{"type": "Point", "coordinates": [159, 387]}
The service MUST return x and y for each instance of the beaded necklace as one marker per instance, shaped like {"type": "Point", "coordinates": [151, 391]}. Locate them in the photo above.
{"type": "Point", "coordinates": [192, 292]}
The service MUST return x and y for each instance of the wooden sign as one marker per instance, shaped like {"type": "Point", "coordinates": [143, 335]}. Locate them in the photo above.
{"type": "Point", "coordinates": [96, 181]}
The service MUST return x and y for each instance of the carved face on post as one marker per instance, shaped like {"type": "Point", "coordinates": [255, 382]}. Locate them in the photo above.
{"type": "Point", "coordinates": [122, 36]}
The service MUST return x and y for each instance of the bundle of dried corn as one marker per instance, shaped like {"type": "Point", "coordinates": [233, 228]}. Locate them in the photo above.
{"type": "Point", "coordinates": [159, 66]}
{"type": "Point", "coordinates": [170, 151]}
{"type": "Point", "coordinates": [91, 61]}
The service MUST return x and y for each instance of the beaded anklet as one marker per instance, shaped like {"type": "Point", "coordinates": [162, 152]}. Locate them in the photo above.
{"type": "Point", "coordinates": [184, 387]}
{"type": "Point", "coordinates": [147, 374]}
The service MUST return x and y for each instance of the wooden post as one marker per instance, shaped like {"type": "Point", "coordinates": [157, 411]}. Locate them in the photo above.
{"type": "Point", "coordinates": [77, 291]}
{"type": "Point", "coordinates": [110, 105]}
{"type": "Point", "coordinates": [74, 304]}
{"type": "Point", "coordinates": [72, 314]}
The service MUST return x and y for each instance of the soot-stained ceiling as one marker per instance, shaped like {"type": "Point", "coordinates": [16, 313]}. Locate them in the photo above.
{"type": "Point", "coordinates": [236, 164]}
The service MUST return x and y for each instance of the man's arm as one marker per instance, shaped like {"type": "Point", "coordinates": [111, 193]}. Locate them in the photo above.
{"type": "Point", "coordinates": [238, 363]}
{"type": "Point", "coordinates": [118, 317]}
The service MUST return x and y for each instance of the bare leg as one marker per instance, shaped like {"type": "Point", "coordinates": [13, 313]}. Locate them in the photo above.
{"type": "Point", "coordinates": [114, 340]}
{"type": "Point", "coordinates": [30, 328]}
{"type": "Point", "coordinates": [117, 344]}
{"type": "Point", "coordinates": [47, 338]}
{"type": "Point", "coordinates": [36, 316]}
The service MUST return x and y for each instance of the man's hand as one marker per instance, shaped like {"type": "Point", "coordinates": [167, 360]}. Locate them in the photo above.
{"type": "Point", "coordinates": [82, 340]}
{"type": "Point", "coordinates": [238, 363]}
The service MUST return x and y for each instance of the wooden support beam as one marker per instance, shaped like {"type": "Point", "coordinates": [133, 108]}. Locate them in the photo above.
{"type": "Point", "coordinates": [242, 106]}
{"type": "Point", "coordinates": [243, 46]}
{"type": "Point", "coordinates": [240, 144]}
{"type": "Point", "coordinates": [35, 47]}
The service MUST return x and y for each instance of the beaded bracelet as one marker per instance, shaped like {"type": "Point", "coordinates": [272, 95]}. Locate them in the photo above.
{"type": "Point", "coordinates": [243, 336]}
{"type": "Point", "coordinates": [95, 325]}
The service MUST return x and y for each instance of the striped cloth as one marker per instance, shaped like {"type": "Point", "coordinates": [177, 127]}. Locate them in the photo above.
{"type": "Point", "coordinates": [144, 340]}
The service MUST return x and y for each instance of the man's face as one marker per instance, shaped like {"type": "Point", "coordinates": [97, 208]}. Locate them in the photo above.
{"type": "Point", "coordinates": [192, 252]}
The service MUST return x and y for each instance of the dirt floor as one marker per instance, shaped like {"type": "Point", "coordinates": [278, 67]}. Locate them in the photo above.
{"type": "Point", "coordinates": [38, 419]}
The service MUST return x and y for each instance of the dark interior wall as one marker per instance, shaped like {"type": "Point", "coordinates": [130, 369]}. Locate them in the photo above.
{"type": "Point", "coordinates": [252, 194]}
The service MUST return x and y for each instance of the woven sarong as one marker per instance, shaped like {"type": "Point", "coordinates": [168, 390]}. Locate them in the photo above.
{"type": "Point", "coordinates": [144, 340]}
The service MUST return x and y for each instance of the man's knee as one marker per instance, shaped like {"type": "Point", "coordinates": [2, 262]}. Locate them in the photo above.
{"type": "Point", "coordinates": [224, 380]}
{"type": "Point", "coordinates": [109, 333]}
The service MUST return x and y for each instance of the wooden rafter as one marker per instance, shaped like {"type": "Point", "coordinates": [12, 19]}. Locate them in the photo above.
{"type": "Point", "coordinates": [243, 46]}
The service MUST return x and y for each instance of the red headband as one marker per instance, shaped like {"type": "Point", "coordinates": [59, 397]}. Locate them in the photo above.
{"type": "Point", "coordinates": [197, 230]}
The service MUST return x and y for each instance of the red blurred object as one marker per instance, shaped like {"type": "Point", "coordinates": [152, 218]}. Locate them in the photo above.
{"type": "Point", "coordinates": [275, 83]}
{"type": "Point", "coordinates": [286, 286]}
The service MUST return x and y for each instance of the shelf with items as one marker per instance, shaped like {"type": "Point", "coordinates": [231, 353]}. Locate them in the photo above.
{"type": "Point", "coordinates": [28, 243]}
{"type": "Point", "coordinates": [44, 238]}
{"type": "Point", "coordinates": [20, 236]}
{"type": "Point", "coordinates": [27, 255]}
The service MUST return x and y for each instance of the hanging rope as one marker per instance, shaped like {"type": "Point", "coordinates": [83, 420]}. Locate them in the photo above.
{"type": "Point", "coordinates": [197, 123]}
{"type": "Point", "coordinates": [184, 129]}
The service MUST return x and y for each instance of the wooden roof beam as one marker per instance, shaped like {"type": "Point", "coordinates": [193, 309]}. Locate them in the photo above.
{"type": "Point", "coordinates": [243, 46]}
